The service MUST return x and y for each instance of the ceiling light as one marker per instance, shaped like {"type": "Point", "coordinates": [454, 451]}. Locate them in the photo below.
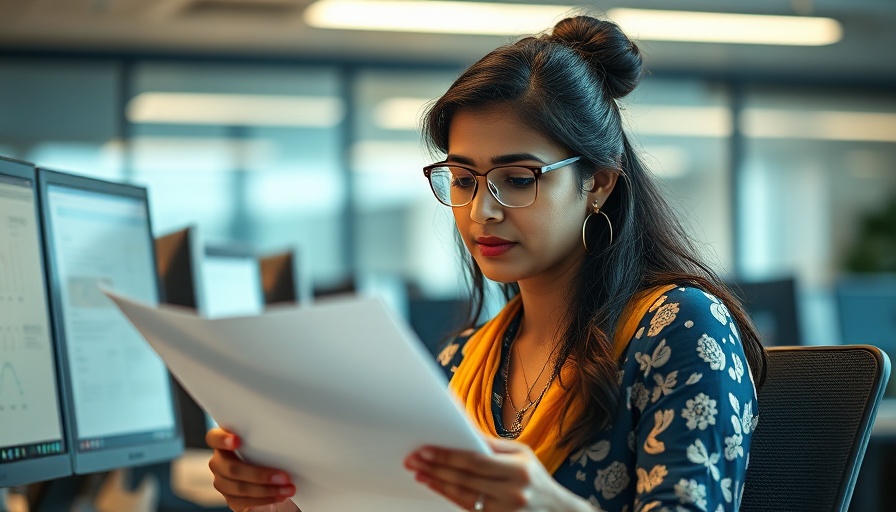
{"type": "Point", "coordinates": [710, 27]}
{"type": "Point", "coordinates": [763, 123]}
{"type": "Point", "coordinates": [679, 120]}
{"type": "Point", "coordinates": [492, 18]}
{"type": "Point", "coordinates": [235, 109]}
{"type": "Point", "coordinates": [399, 113]}
{"type": "Point", "coordinates": [447, 17]}
{"type": "Point", "coordinates": [667, 161]}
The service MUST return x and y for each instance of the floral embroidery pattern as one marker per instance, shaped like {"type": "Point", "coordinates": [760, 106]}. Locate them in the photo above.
{"type": "Point", "coordinates": [700, 412]}
{"type": "Point", "coordinates": [736, 371]}
{"type": "Point", "coordinates": [595, 452]}
{"type": "Point", "coordinates": [698, 454]}
{"type": "Point", "coordinates": [680, 439]}
{"type": "Point", "coordinates": [447, 354]}
{"type": "Point", "coordinates": [664, 316]}
{"type": "Point", "coordinates": [612, 480]}
{"type": "Point", "coordinates": [659, 357]}
{"type": "Point", "coordinates": [648, 481]}
{"type": "Point", "coordinates": [689, 491]}
{"type": "Point", "coordinates": [662, 420]}
{"type": "Point", "coordinates": [711, 352]}
{"type": "Point", "coordinates": [664, 385]}
{"type": "Point", "coordinates": [640, 396]}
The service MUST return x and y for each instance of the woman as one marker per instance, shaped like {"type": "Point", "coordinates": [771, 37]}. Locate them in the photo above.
{"type": "Point", "coordinates": [620, 374]}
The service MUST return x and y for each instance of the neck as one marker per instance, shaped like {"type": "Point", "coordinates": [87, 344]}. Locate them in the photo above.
{"type": "Point", "coordinates": [545, 305]}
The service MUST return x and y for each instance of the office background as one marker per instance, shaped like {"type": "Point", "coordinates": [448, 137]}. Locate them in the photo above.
{"type": "Point", "coordinates": [262, 130]}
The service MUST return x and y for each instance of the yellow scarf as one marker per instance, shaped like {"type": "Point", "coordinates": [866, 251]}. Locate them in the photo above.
{"type": "Point", "coordinates": [472, 381]}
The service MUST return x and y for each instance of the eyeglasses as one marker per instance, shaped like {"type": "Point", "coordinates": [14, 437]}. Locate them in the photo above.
{"type": "Point", "coordinates": [514, 186]}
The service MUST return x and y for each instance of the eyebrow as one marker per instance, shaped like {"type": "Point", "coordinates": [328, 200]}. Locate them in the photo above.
{"type": "Point", "coordinates": [496, 160]}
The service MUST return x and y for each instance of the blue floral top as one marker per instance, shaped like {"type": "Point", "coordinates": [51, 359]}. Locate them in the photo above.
{"type": "Point", "coordinates": [681, 437]}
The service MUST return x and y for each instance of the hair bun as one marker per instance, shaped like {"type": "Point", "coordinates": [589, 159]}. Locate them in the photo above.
{"type": "Point", "coordinates": [606, 48]}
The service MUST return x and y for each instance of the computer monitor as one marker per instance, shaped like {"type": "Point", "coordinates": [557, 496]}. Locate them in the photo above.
{"type": "Point", "coordinates": [118, 393]}
{"type": "Point", "coordinates": [283, 279]}
{"type": "Point", "coordinates": [867, 311]}
{"type": "Point", "coordinates": [772, 305]}
{"type": "Point", "coordinates": [33, 446]}
{"type": "Point", "coordinates": [179, 264]}
{"type": "Point", "coordinates": [434, 320]}
{"type": "Point", "coordinates": [232, 282]}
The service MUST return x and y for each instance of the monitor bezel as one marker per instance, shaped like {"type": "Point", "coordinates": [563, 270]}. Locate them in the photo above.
{"type": "Point", "coordinates": [114, 457]}
{"type": "Point", "coordinates": [177, 245]}
{"type": "Point", "coordinates": [280, 278]}
{"type": "Point", "coordinates": [51, 466]}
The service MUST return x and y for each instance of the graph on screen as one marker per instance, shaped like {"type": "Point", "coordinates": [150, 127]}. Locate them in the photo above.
{"type": "Point", "coordinates": [119, 384]}
{"type": "Point", "coordinates": [29, 410]}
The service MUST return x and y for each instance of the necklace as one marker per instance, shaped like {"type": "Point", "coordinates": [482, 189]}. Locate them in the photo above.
{"type": "Point", "coordinates": [529, 388]}
{"type": "Point", "coordinates": [516, 426]}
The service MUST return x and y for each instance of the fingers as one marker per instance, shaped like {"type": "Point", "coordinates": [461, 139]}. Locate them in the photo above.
{"type": "Point", "coordinates": [225, 464]}
{"type": "Point", "coordinates": [244, 485]}
{"type": "Point", "coordinates": [464, 497]}
{"type": "Point", "coordinates": [239, 491]}
{"type": "Point", "coordinates": [220, 439]}
{"type": "Point", "coordinates": [474, 463]}
{"type": "Point", "coordinates": [499, 445]}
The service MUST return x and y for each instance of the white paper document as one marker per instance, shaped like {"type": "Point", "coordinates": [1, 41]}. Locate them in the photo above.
{"type": "Point", "coordinates": [337, 394]}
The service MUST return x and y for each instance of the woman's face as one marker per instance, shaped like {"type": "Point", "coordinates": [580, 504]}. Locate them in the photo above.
{"type": "Point", "coordinates": [541, 241]}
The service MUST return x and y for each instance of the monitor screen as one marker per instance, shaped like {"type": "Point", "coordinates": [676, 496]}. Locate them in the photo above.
{"type": "Point", "coordinates": [772, 305]}
{"type": "Point", "coordinates": [119, 393]}
{"type": "Point", "coordinates": [867, 307]}
{"type": "Point", "coordinates": [32, 439]}
{"type": "Point", "coordinates": [232, 282]}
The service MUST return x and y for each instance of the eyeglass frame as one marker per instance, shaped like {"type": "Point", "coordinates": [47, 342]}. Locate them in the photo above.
{"type": "Point", "coordinates": [536, 170]}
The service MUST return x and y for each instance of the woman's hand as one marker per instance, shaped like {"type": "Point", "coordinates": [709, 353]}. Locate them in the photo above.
{"type": "Point", "coordinates": [245, 486]}
{"type": "Point", "coordinates": [510, 479]}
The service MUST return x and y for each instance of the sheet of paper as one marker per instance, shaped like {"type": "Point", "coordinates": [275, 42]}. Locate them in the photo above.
{"type": "Point", "coordinates": [337, 394]}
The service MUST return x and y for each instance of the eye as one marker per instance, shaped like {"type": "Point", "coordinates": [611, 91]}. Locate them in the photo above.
{"type": "Point", "coordinates": [521, 181]}
{"type": "Point", "coordinates": [463, 182]}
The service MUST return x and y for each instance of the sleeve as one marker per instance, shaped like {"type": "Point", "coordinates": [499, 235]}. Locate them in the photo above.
{"type": "Point", "coordinates": [696, 399]}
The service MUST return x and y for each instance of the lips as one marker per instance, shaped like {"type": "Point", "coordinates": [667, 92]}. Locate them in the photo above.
{"type": "Point", "coordinates": [491, 246]}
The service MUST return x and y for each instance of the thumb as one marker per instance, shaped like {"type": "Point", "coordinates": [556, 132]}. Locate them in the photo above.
{"type": "Point", "coordinates": [507, 446]}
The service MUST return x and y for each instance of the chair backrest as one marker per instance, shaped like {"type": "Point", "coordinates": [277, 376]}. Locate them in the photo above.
{"type": "Point", "coordinates": [816, 411]}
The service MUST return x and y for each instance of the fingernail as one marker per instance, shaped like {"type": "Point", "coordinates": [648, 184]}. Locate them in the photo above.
{"type": "Point", "coordinates": [229, 442]}
{"type": "Point", "coordinates": [279, 479]}
{"type": "Point", "coordinates": [427, 454]}
{"type": "Point", "coordinates": [287, 491]}
{"type": "Point", "coordinates": [413, 463]}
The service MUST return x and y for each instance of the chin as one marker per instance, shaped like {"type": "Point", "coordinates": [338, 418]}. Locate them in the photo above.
{"type": "Point", "coordinates": [499, 275]}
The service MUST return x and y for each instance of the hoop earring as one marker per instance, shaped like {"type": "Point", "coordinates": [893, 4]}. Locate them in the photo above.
{"type": "Point", "coordinates": [585, 225]}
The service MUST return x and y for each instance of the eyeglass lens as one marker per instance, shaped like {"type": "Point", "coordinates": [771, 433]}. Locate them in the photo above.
{"type": "Point", "coordinates": [511, 186]}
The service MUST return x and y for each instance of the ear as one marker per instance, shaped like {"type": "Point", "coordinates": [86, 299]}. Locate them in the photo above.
{"type": "Point", "coordinates": [602, 184]}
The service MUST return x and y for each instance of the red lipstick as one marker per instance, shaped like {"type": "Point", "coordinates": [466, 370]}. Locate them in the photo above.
{"type": "Point", "coordinates": [492, 246]}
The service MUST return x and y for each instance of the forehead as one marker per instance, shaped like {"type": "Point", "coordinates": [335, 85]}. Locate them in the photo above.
{"type": "Point", "coordinates": [483, 133]}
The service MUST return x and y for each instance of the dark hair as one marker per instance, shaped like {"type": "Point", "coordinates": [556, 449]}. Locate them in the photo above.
{"type": "Point", "coordinates": [565, 85]}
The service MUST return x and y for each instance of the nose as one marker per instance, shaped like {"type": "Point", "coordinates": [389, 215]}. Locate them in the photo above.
{"type": "Point", "coordinates": [485, 208]}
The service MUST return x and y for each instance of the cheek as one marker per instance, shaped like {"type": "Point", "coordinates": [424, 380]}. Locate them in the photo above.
{"type": "Point", "coordinates": [461, 221]}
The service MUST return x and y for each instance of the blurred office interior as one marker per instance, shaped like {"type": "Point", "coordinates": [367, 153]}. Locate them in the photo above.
{"type": "Point", "coordinates": [245, 119]}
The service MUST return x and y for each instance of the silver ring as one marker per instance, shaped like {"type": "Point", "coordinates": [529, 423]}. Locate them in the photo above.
{"type": "Point", "coordinates": [479, 506]}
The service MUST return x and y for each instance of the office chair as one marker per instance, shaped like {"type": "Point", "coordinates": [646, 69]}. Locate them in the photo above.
{"type": "Point", "coordinates": [816, 411]}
